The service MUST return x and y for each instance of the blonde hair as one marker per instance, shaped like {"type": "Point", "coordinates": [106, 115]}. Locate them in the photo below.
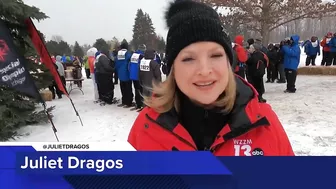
{"type": "Point", "coordinates": [165, 97]}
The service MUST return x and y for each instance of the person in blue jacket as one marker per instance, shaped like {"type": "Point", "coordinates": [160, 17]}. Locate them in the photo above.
{"type": "Point", "coordinates": [122, 68]}
{"type": "Point", "coordinates": [157, 58]}
{"type": "Point", "coordinates": [134, 75]}
{"type": "Point", "coordinates": [291, 52]}
{"type": "Point", "coordinates": [312, 49]}
{"type": "Point", "coordinates": [64, 59]}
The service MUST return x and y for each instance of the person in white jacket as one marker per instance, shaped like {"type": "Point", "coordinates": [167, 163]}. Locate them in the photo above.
{"type": "Point", "coordinates": [54, 87]}
{"type": "Point", "coordinates": [91, 59]}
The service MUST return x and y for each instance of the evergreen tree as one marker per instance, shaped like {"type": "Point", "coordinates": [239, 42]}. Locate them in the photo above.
{"type": "Point", "coordinates": [138, 31]}
{"type": "Point", "coordinates": [65, 48]}
{"type": "Point", "coordinates": [58, 48]}
{"type": "Point", "coordinates": [143, 31]}
{"type": "Point", "coordinates": [101, 45]}
{"type": "Point", "coordinates": [78, 51]}
{"type": "Point", "coordinates": [17, 110]}
{"type": "Point", "coordinates": [52, 47]}
{"type": "Point", "coordinates": [161, 44]}
{"type": "Point", "coordinates": [124, 41]}
{"type": "Point", "coordinates": [149, 31]}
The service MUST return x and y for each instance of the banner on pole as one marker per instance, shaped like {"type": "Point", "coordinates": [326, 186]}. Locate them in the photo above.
{"type": "Point", "coordinates": [13, 72]}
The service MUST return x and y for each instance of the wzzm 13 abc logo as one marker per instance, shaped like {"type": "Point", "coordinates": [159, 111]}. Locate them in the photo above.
{"type": "Point", "coordinates": [257, 152]}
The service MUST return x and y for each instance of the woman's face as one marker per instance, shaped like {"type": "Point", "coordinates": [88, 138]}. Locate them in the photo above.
{"type": "Point", "coordinates": [201, 71]}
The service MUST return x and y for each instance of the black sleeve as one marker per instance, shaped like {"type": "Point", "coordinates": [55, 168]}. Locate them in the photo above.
{"type": "Point", "coordinates": [105, 64]}
{"type": "Point", "coordinates": [156, 70]}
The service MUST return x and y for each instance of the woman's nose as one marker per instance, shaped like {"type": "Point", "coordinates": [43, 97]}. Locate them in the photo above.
{"type": "Point", "coordinates": [205, 67]}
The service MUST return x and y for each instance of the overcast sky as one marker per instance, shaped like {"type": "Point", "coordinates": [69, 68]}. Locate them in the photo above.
{"type": "Point", "coordinates": [87, 20]}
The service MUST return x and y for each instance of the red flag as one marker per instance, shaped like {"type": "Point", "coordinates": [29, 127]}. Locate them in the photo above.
{"type": "Point", "coordinates": [44, 54]}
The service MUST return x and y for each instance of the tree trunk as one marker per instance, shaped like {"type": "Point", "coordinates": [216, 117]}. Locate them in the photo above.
{"type": "Point", "coordinates": [265, 34]}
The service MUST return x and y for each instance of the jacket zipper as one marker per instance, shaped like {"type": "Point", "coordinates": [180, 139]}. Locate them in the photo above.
{"type": "Point", "coordinates": [177, 136]}
{"type": "Point", "coordinates": [212, 150]}
{"type": "Point", "coordinates": [206, 115]}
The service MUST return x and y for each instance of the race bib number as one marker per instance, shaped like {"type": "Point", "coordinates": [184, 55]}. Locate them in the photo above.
{"type": "Point", "coordinates": [135, 58]}
{"type": "Point", "coordinates": [144, 65]}
{"type": "Point", "coordinates": [122, 55]}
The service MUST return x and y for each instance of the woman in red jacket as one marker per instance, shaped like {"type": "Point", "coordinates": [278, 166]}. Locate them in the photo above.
{"type": "Point", "coordinates": [202, 105]}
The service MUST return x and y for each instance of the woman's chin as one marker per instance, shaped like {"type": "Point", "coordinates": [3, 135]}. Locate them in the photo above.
{"type": "Point", "coordinates": [205, 100]}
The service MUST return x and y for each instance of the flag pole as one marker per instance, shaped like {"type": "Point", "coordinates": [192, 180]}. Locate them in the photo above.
{"type": "Point", "coordinates": [51, 121]}
{"type": "Point", "coordinates": [73, 105]}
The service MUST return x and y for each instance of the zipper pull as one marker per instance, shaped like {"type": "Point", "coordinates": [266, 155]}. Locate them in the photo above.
{"type": "Point", "coordinates": [206, 114]}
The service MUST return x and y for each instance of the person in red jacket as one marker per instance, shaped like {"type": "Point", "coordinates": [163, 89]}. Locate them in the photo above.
{"type": "Point", "coordinates": [241, 55]}
{"type": "Point", "coordinates": [203, 105]}
{"type": "Point", "coordinates": [326, 54]}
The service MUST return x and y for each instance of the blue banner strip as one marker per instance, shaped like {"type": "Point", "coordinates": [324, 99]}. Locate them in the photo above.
{"type": "Point", "coordinates": [165, 170]}
{"type": "Point", "coordinates": [120, 163]}
{"type": "Point", "coordinates": [282, 172]}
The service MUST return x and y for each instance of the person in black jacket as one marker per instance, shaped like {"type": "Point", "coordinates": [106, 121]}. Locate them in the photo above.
{"type": "Point", "coordinates": [273, 57]}
{"type": "Point", "coordinates": [149, 72]}
{"type": "Point", "coordinates": [280, 67]}
{"type": "Point", "coordinates": [104, 70]}
{"type": "Point", "coordinates": [256, 69]}
{"type": "Point", "coordinates": [115, 75]}
{"type": "Point", "coordinates": [262, 47]}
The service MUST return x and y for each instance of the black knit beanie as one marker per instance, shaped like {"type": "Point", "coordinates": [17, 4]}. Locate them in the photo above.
{"type": "Point", "coordinates": [191, 22]}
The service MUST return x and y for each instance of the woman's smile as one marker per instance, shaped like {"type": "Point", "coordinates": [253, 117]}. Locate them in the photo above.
{"type": "Point", "coordinates": [205, 85]}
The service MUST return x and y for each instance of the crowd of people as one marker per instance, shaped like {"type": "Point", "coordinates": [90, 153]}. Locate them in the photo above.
{"type": "Point", "coordinates": [312, 49]}
{"type": "Point", "coordinates": [135, 70]}
{"type": "Point", "coordinates": [279, 61]}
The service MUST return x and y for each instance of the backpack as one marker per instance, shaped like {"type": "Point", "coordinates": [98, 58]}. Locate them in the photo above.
{"type": "Point", "coordinates": [260, 70]}
{"type": "Point", "coordinates": [266, 58]}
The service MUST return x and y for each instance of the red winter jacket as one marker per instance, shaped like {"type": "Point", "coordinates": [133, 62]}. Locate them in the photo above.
{"type": "Point", "coordinates": [240, 50]}
{"type": "Point", "coordinates": [326, 48]}
{"type": "Point", "coordinates": [254, 130]}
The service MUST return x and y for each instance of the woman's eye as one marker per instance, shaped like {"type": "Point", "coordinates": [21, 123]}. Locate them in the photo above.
{"type": "Point", "coordinates": [187, 59]}
{"type": "Point", "coordinates": [216, 55]}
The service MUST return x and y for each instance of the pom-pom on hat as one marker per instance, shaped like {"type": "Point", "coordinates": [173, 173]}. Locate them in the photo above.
{"type": "Point", "coordinates": [191, 22]}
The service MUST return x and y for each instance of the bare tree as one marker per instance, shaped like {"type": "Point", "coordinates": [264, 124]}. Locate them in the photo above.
{"type": "Point", "coordinates": [306, 28]}
{"type": "Point", "coordinates": [86, 47]}
{"type": "Point", "coordinates": [265, 16]}
{"type": "Point", "coordinates": [114, 43]}
{"type": "Point", "coordinates": [57, 38]}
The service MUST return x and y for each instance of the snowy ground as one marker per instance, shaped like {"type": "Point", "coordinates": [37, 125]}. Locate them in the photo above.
{"type": "Point", "coordinates": [308, 116]}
